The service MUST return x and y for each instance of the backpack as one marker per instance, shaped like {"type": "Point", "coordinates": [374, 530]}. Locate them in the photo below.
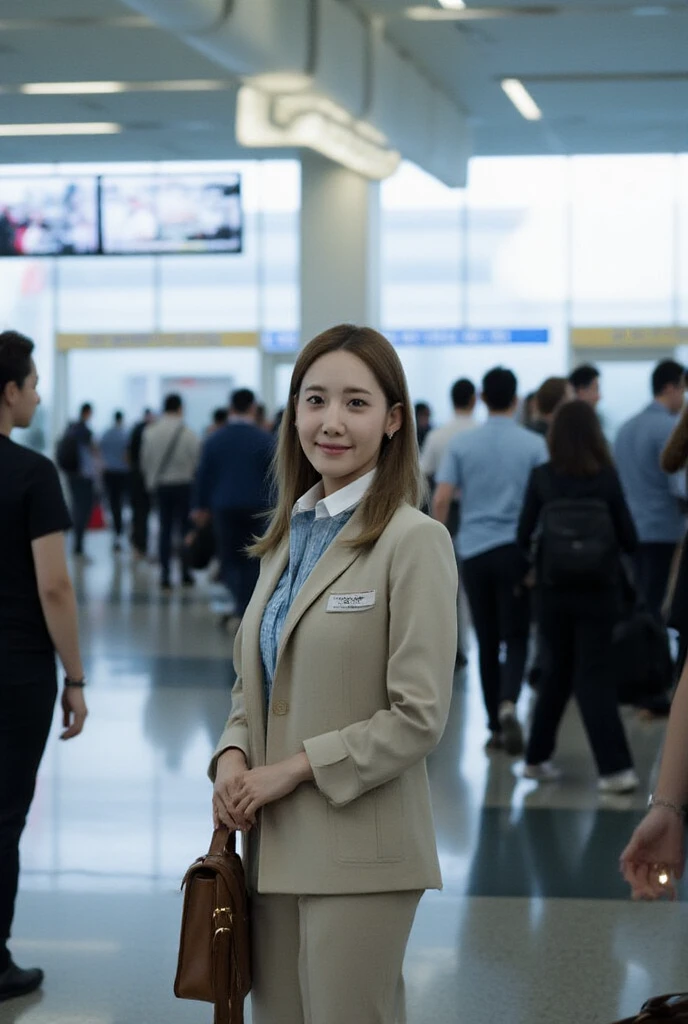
{"type": "Point", "coordinates": [578, 545]}
{"type": "Point", "coordinates": [67, 452]}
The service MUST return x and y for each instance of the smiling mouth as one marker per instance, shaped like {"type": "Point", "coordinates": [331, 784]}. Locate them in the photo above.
{"type": "Point", "coordinates": [333, 449]}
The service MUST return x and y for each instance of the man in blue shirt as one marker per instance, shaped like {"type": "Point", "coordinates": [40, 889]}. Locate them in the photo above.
{"type": "Point", "coordinates": [113, 451]}
{"type": "Point", "coordinates": [490, 468]}
{"type": "Point", "coordinates": [233, 485]}
{"type": "Point", "coordinates": [654, 498]}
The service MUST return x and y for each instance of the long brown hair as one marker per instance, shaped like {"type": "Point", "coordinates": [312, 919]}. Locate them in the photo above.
{"type": "Point", "coordinates": [576, 443]}
{"type": "Point", "coordinates": [398, 476]}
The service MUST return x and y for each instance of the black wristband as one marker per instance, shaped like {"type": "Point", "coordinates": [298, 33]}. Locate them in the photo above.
{"type": "Point", "coordinates": [75, 682]}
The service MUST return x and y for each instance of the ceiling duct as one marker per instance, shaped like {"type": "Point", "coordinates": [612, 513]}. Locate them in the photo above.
{"type": "Point", "coordinates": [317, 74]}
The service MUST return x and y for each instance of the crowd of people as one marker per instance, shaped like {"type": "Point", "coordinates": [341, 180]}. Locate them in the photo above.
{"type": "Point", "coordinates": [218, 484]}
{"type": "Point", "coordinates": [555, 531]}
{"type": "Point", "coordinates": [347, 593]}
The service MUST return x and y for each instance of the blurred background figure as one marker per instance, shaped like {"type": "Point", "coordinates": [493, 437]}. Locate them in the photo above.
{"type": "Point", "coordinates": [423, 421]}
{"type": "Point", "coordinates": [233, 487]}
{"type": "Point", "coordinates": [138, 492]}
{"type": "Point", "coordinates": [656, 500]}
{"type": "Point", "coordinates": [220, 417]}
{"type": "Point", "coordinates": [169, 458]}
{"type": "Point", "coordinates": [115, 462]}
{"type": "Point", "coordinates": [76, 457]}
{"type": "Point", "coordinates": [548, 398]}
{"type": "Point", "coordinates": [585, 381]}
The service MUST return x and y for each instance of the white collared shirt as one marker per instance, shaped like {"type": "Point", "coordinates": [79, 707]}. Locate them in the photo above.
{"type": "Point", "coordinates": [342, 500]}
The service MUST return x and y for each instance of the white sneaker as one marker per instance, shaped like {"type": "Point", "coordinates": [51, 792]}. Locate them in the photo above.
{"type": "Point", "coordinates": [619, 782]}
{"type": "Point", "coordinates": [544, 772]}
{"type": "Point", "coordinates": [512, 734]}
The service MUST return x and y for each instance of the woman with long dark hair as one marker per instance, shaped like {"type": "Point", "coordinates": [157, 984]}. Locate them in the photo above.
{"type": "Point", "coordinates": [575, 505]}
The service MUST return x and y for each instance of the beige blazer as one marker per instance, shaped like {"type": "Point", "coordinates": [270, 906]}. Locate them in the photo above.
{"type": "Point", "coordinates": [366, 694]}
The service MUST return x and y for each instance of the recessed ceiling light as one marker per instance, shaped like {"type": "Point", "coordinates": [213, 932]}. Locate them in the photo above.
{"type": "Point", "coordinates": [69, 88]}
{"type": "Point", "coordinates": [521, 99]}
{"type": "Point", "coordinates": [101, 88]}
{"type": "Point", "coordinates": [55, 128]}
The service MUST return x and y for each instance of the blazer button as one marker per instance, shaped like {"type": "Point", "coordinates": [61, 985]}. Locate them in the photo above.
{"type": "Point", "coordinates": [280, 707]}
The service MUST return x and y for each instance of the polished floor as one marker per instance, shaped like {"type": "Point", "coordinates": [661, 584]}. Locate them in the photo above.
{"type": "Point", "coordinates": [534, 925]}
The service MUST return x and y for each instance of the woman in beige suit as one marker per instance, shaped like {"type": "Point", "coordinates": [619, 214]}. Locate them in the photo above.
{"type": "Point", "coordinates": [344, 668]}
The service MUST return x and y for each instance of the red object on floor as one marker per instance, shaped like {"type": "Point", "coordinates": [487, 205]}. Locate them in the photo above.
{"type": "Point", "coordinates": [97, 520]}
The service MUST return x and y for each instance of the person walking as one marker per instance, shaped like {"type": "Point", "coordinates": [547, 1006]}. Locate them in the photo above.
{"type": "Point", "coordinates": [576, 504]}
{"type": "Point", "coordinates": [656, 499]}
{"type": "Point", "coordinates": [115, 461]}
{"type": "Point", "coordinates": [344, 666]}
{"type": "Point", "coordinates": [463, 399]}
{"type": "Point", "coordinates": [233, 487]}
{"type": "Point", "coordinates": [169, 458]}
{"type": "Point", "coordinates": [77, 457]}
{"type": "Point", "coordinates": [140, 498]}
{"type": "Point", "coordinates": [490, 467]}
{"type": "Point", "coordinates": [37, 617]}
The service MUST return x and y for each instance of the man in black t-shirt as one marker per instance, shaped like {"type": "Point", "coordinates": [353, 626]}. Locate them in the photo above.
{"type": "Point", "coordinates": [37, 616]}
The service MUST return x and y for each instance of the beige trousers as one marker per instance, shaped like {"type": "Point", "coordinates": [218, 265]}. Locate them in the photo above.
{"type": "Point", "coordinates": [330, 959]}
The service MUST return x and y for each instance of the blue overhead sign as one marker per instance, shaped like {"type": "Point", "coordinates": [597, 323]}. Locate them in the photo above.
{"type": "Point", "coordinates": [288, 341]}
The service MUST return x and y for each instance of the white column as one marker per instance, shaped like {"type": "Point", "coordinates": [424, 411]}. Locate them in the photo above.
{"type": "Point", "coordinates": [340, 247]}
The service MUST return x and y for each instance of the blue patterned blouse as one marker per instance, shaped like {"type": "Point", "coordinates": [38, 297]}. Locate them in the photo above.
{"type": "Point", "coordinates": [309, 539]}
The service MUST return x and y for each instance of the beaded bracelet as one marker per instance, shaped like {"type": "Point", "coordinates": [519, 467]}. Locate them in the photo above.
{"type": "Point", "coordinates": [680, 812]}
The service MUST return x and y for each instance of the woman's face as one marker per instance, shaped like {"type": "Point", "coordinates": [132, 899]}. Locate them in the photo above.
{"type": "Point", "coordinates": [342, 417]}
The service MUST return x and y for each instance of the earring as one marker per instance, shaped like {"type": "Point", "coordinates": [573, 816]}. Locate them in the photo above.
{"type": "Point", "coordinates": [390, 435]}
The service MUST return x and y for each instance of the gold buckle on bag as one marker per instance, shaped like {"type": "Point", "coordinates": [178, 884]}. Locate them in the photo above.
{"type": "Point", "coordinates": [227, 911]}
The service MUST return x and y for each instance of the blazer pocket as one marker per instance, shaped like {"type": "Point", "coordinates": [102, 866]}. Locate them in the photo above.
{"type": "Point", "coordinates": [369, 830]}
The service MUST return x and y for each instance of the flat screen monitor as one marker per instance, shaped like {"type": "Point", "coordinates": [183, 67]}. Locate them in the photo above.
{"type": "Point", "coordinates": [190, 213]}
{"type": "Point", "coordinates": [48, 216]}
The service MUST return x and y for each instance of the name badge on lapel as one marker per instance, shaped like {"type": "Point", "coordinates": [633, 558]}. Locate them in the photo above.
{"type": "Point", "coordinates": [351, 602]}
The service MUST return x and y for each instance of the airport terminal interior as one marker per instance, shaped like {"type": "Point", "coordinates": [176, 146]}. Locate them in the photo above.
{"type": "Point", "coordinates": [190, 192]}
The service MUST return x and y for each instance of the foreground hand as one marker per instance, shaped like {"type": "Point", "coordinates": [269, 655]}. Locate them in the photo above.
{"type": "Point", "coordinates": [74, 711]}
{"type": "Point", "coordinates": [231, 768]}
{"type": "Point", "coordinates": [266, 785]}
{"type": "Point", "coordinates": [656, 848]}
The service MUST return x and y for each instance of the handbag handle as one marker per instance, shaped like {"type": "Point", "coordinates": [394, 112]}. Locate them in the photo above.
{"type": "Point", "coordinates": [223, 840]}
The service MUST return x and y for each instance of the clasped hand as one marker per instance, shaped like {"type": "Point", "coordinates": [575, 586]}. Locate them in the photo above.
{"type": "Point", "coordinates": [240, 792]}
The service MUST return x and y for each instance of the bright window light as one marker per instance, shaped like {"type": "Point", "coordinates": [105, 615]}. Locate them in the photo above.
{"type": "Point", "coordinates": [521, 99]}
{"type": "Point", "coordinates": [54, 128]}
{"type": "Point", "coordinates": [453, 5]}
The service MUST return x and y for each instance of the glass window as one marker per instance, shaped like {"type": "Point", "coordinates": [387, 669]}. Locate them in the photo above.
{"type": "Point", "coordinates": [681, 275]}
{"type": "Point", "coordinates": [622, 241]}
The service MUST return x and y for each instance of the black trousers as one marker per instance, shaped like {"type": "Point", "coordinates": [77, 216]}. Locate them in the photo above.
{"type": "Point", "coordinates": [500, 607]}
{"type": "Point", "coordinates": [116, 486]}
{"type": "Point", "coordinates": [140, 511]}
{"type": "Point", "coordinates": [235, 529]}
{"type": "Point", "coordinates": [652, 564]}
{"type": "Point", "coordinates": [174, 505]}
{"type": "Point", "coordinates": [576, 654]}
{"type": "Point", "coordinates": [82, 495]}
{"type": "Point", "coordinates": [28, 686]}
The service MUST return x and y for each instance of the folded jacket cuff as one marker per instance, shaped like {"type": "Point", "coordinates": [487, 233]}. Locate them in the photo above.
{"type": "Point", "coordinates": [333, 768]}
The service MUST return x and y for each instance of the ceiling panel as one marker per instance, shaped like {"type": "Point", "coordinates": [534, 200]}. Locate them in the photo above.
{"type": "Point", "coordinates": [555, 54]}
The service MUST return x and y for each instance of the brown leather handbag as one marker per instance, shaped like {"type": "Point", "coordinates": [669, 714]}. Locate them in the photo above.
{"type": "Point", "coordinates": [661, 1009]}
{"type": "Point", "coordinates": [214, 949]}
